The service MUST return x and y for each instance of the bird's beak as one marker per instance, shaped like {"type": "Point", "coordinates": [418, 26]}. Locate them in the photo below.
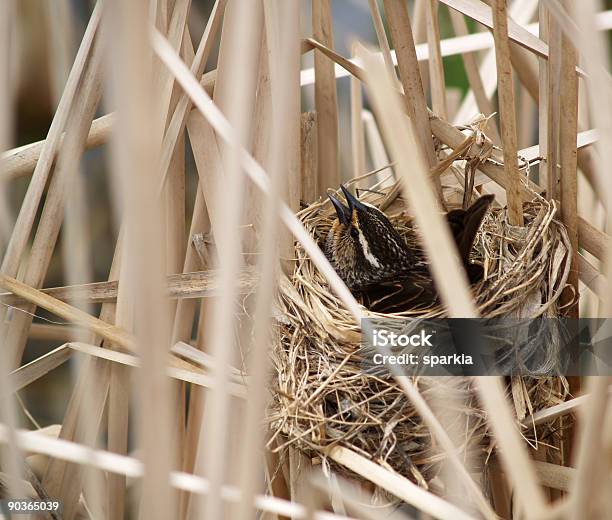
{"type": "Point", "coordinates": [344, 213]}
{"type": "Point", "coordinates": [353, 202]}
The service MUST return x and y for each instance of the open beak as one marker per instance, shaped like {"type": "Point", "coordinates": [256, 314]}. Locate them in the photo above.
{"type": "Point", "coordinates": [344, 213]}
{"type": "Point", "coordinates": [353, 202]}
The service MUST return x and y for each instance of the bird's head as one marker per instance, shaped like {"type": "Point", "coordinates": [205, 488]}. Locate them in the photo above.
{"type": "Point", "coordinates": [363, 244]}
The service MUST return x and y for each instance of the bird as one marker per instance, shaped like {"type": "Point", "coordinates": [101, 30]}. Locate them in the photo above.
{"type": "Point", "coordinates": [378, 265]}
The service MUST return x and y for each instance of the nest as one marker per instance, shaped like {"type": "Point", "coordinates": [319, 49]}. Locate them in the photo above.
{"type": "Point", "coordinates": [321, 395]}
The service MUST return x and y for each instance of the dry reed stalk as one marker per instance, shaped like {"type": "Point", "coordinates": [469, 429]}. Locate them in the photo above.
{"type": "Point", "coordinates": [195, 412]}
{"type": "Point", "coordinates": [22, 161]}
{"type": "Point", "coordinates": [175, 186]}
{"type": "Point", "coordinates": [555, 476]}
{"type": "Point", "coordinates": [357, 135]}
{"type": "Point", "coordinates": [176, 229]}
{"type": "Point", "coordinates": [449, 445]}
{"type": "Point", "coordinates": [326, 102]}
{"type": "Point", "coordinates": [60, 25]}
{"type": "Point", "coordinates": [36, 442]}
{"type": "Point", "coordinates": [600, 102]}
{"type": "Point", "coordinates": [118, 358]}
{"type": "Point", "coordinates": [589, 437]}
{"type": "Point", "coordinates": [568, 155]}
{"type": "Point", "coordinates": [120, 386]}
{"type": "Point", "coordinates": [526, 68]}
{"type": "Point", "coordinates": [513, 455]}
{"type": "Point", "coordinates": [308, 157]}
{"type": "Point", "coordinates": [182, 329]}
{"type": "Point", "coordinates": [436, 67]}
{"type": "Point", "coordinates": [397, 485]}
{"type": "Point", "coordinates": [378, 154]}
{"type": "Point", "coordinates": [589, 445]}
{"type": "Point", "coordinates": [472, 43]}
{"type": "Point", "coordinates": [27, 213]}
{"type": "Point", "coordinates": [525, 119]}
{"type": "Point", "coordinates": [37, 368]}
{"type": "Point", "coordinates": [76, 269]}
{"type": "Point", "coordinates": [358, 500]}
{"type": "Point", "coordinates": [282, 28]}
{"type": "Point", "coordinates": [383, 42]}
{"type": "Point", "coordinates": [414, 96]}
{"type": "Point", "coordinates": [94, 378]}
{"type": "Point", "coordinates": [300, 473]}
{"type": "Point", "coordinates": [584, 139]}
{"type": "Point", "coordinates": [135, 157]}
{"type": "Point", "coordinates": [6, 120]}
{"type": "Point", "coordinates": [593, 240]}
{"type": "Point", "coordinates": [11, 458]}
{"type": "Point", "coordinates": [485, 15]}
{"type": "Point", "coordinates": [475, 80]}
{"type": "Point", "coordinates": [554, 110]}
{"type": "Point", "coordinates": [51, 218]}
{"type": "Point", "coordinates": [507, 111]}
{"type": "Point", "coordinates": [522, 11]}
{"type": "Point", "coordinates": [234, 94]}
{"type": "Point", "coordinates": [591, 277]}
{"type": "Point", "coordinates": [262, 135]}
{"type": "Point", "coordinates": [184, 286]}
{"type": "Point", "coordinates": [543, 100]}
{"type": "Point", "coordinates": [419, 29]}
{"type": "Point", "coordinates": [179, 116]}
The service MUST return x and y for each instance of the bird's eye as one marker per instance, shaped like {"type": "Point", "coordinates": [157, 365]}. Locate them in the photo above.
{"type": "Point", "coordinates": [354, 233]}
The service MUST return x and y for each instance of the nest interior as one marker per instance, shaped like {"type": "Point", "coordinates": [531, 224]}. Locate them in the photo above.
{"type": "Point", "coordinates": [321, 395]}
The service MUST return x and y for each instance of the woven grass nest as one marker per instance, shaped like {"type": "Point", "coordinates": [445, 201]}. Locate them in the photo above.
{"type": "Point", "coordinates": [322, 397]}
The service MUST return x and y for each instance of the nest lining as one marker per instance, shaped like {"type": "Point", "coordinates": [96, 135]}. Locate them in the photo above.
{"type": "Point", "coordinates": [322, 397]}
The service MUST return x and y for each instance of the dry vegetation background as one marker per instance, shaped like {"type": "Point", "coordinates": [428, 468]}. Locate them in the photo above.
{"type": "Point", "coordinates": [154, 155]}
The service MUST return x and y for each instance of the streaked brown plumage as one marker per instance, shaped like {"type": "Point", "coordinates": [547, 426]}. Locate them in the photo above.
{"type": "Point", "coordinates": [378, 265]}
